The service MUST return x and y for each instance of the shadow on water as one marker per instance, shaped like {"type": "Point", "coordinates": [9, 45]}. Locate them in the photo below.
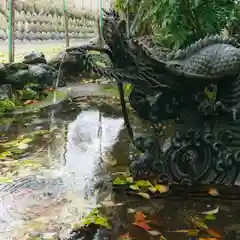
{"type": "Point", "coordinates": [61, 169]}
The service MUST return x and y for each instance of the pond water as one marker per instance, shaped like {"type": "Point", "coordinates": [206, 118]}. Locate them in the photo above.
{"type": "Point", "coordinates": [56, 166]}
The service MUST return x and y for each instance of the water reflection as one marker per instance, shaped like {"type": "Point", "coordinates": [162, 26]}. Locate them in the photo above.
{"type": "Point", "coordinates": [90, 136]}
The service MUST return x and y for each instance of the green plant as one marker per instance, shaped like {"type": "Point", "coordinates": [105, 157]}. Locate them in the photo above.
{"type": "Point", "coordinates": [177, 23]}
{"type": "Point", "coordinates": [6, 106]}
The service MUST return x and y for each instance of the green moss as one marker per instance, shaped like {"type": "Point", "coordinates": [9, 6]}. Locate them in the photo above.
{"type": "Point", "coordinates": [29, 94]}
{"type": "Point", "coordinates": [6, 106]}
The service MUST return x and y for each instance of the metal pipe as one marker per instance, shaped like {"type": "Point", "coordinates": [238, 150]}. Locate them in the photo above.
{"type": "Point", "coordinates": [10, 30]}
{"type": "Point", "coordinates": [100, 22]}
{"type": "Point", "coordinates": [66, 22]}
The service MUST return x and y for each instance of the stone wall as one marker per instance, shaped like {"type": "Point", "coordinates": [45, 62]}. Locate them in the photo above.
{"type": "Point", "coordinates": [39, 21]}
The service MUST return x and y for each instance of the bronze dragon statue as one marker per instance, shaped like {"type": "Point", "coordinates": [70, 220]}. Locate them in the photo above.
{"type": "Point", "coordinates": [177, 85]}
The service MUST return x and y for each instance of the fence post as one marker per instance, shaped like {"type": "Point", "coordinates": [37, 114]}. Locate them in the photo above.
{"type": "Point", "coordinates": [66, 22]}
{"type": "Point", "coordinates": [100, 23]}
{"type": "Point", "coordinates": [11, 23]}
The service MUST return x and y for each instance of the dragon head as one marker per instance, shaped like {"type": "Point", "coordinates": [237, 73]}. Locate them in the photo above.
{"type": "Point", "coordinates": [113, 29]}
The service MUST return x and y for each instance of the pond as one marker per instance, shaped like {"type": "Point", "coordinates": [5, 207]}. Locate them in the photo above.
{"type": "Point", "coordinates": [57, 165]}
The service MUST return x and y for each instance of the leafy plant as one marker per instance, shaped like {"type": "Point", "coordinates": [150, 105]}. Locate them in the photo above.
{"type": "Point", "coordinates": [177, 23]}
{"type": "Point", "coordinates": [6, 106]}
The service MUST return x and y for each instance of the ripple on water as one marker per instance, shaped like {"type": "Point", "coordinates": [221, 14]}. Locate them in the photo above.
{"type": "Point", "coordinates": [46, 201]}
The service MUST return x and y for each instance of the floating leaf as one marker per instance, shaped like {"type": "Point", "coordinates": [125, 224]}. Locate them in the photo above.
{"type": "Point", "coordinates": [210, 217]}
{"type": "Point", "coordinates": [143, 183]}
{"type": "Point", "coordinates": [125, 236]}
{"type": "Point", "coordinates": [152, 189]}
{"type": "Point", "coordinates": [162, 238]}
{"type": "Point", "coordinates": [143, 225]}
{"type": "Point", "coordinates": [213, 233]}
{"type": "Point", "coordinates": [214, 211]}
{"type": "Point", "coordinates": [154, 233]}
{"type": "Point", "coordinates": [22, 146]}
{"type": "Point", "coordinates": [161, 188]}
{"type": "Point", "coordinates": [199, 223]}
{"type": "Point", "coordinates": [110, 203]}
{"type": "Point", "coordinates": [30, 102]}
{"type": "Point", "coordinates": [139, 217]}
{"type": "Point", "coordinates": [4, 155]}
{"type": "Point", "coordinates": [86, 221]}
{"type": "Point", "coordinates": [101, 221]}
{"type": "Point", "coordinates": [134, 187]}
{"type": "Point", "coordinates": [186, 230]}
{"type": "Point", "coordinates": [209, 238]}
{"type": "Point", "coordinates": [119, 181]}
{"type": "Point", "coordinates": [213, 192]}
{"type": "Point", "coordinates": [192, 232]}
{"type": "Point", "coordinates": [144, 195]}
{"type": "Point", "coordinates": [129, 179]}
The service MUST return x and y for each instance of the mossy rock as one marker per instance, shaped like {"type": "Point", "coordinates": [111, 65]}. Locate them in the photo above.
{"type": "Point", "coordinates": [44, 35]}
{"type": "Point", "coordinates": [4, 12]}
{"type": "Point", "coordinates": [58, 20]}
{"type": "Point", "coordinates": [52, 10]}
{"type": "Point", "coordinates": [28, 17]}
{"type": "Point", "coordinates": [17, 15]}
{"type": "Point", "coordinates": [40, 18]}
{"type": "Point", "coordinates": [37, 26]}
{"type": "Point", "coordinates": [47, 9]}
{"type": "Point", "coordinates": [55, 17]}
{"type": "Point", "coordinates": [37, 8]}
{"type": "Point", "coordinates": [27, 36]}
{"type": "Point", "coordinates": [22, 16]}
{"type": "Point", "coordinates": [32, 36]}
{"type": "Point", "coordinates": [26, 7]}
{"type": "Point", "coordinates": [34, 17]}
{"type": "Point", "coordinates": [41, 10]}
{"type": "Point", "coordinates": [48, 27]}
{"type": "Point", "coordinates": [38, 35]}
{"type": "Point", "coordinates": [51, 27]}
{"type": "Point", "coordinates": [2, 34]}
{"type": "Point", "coordinates": [19, 26]}
{"type": "Point", "coordinates": [31, 8]}
{"type": "Point", "coordinates": [18, 35]}
{"type": "Point", "coordinates": [48, 35]}
{"type": "Point", "coordinates": [49, 17]}
{"type": "Point", "coordinates": [3, 22]}
{"type": "Point", "coordinates": [19, 6]}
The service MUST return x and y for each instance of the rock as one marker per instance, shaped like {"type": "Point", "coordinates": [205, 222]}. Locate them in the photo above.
{"type": "Point", "coordinates": [34, 57]}
{"type": "Point", "coordinates": [2, 34]}
{"type": "Point", "coordinates": [40, 74]}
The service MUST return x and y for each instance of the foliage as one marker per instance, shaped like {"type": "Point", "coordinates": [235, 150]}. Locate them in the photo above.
{"type": "Point", "coordinates": [6, 105]}
{"type": "Point", "coordinates": [94, 217]}
{"type": "Point", "coordinates": [28, 94]}
{"type": "Point", "coordinates": [143, 188]}
{"type": "Point", "coordinates": [178, 23]}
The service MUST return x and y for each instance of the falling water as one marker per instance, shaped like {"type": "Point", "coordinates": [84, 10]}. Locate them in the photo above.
{"type": "Point", "coordinates": [54, 101]}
